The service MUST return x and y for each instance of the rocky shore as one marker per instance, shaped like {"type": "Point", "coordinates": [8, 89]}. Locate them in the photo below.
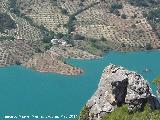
{"type": "Point", "coordinates": [119, 86]}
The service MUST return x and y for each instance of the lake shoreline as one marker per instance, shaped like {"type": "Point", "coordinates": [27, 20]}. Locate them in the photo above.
{"type": "Point", "coordinates": [56, 93]}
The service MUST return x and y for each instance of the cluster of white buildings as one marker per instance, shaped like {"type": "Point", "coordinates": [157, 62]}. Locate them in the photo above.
{"type": "Point", "coordinates": [59, 42]}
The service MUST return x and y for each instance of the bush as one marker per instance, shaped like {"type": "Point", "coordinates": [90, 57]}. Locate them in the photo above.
{"type": "Point", "coordinates": [71, 23]}
{"type": "Point", "coordinates": [115, 6]}
{"type": "Point", "coordinates": [78, 37]}
{"type": "Point", "coordinates": [149, 46]}
{"type": "Point", "coordinates": [123, 16]}
{"type": "Point", "coordinates": [6, 38]}
{"type": "Point", "coordinates": [48, 46]}
{"type": "Point", "coordinates": [13, 7]}
{"type": "Point", "coordinates": [121, 113]}
{"type": "Point", "coordinates": [6, 22]}
{"type": "Point", "coordinates": [48, 36]}
{"type": "Point", "coordinates": [59, 35]}
{"type": "Point", "coordinates": [157, 80]}
{"type": "Point", "coordinates": [158, 34]}
{"type": "Point", "coordinates": [84, 115]}
{"type": "Point", "coordinates": [144, 3]}
{"type": "Point", "coordinates": [18, 62]}
{"type": "Point", "coordinates": [154, 15]}
{"type": "Point", "coordinates": [64, 11]}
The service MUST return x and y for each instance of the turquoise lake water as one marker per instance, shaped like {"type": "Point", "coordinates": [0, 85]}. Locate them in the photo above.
{"type": "Point", "coordinates": [27, 92]}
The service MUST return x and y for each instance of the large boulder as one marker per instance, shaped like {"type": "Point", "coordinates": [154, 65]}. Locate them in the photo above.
{"type": "Point", "coordinates": [120, 86]}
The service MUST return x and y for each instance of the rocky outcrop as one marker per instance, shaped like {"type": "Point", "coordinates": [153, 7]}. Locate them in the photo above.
{"type": "Point", "coordinates": [119, 86]}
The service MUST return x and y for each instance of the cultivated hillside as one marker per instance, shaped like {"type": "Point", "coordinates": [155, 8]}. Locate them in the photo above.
{"type": "Point", "coordinates": [82, 29]}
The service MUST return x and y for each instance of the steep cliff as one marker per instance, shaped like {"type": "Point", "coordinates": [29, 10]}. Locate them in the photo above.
{"type": "Point", "coordinates": [119, 86]}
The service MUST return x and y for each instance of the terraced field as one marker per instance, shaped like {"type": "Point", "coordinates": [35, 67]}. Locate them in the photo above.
{"type": "Point", "coordinates": [88, 27]}
{"type": "Point", "coordinates": [44, 12]}
{"type": "Point", "coordinates": [133, 31]}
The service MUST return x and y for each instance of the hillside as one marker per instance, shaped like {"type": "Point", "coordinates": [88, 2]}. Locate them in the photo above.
{"type": "Point", "coordinates": [83, 29]}
{"type": "Point", "coordinates": [122, 113]}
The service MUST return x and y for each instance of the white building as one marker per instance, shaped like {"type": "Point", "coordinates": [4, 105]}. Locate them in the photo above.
{"type": "Point", "coordinates": [58, 42]}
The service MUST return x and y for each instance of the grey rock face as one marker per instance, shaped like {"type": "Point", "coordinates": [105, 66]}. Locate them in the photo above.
{"type": "Point", "coordinates": [117, 86]}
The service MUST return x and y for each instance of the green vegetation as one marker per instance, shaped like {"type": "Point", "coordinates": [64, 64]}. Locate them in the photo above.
{"type": "Point", "coordinates": [54, 2]}
{"type": "Point", "coordinates": [82, 0]}
{"type": "Point", "coordinates": [6, 22]}
{"type": "Point", "coordinates": [100, 44]}
{"type": "Point", "coordinates": [123, 16]}
{"type": "Point", "coordinates": [18, 62]}
{"type": "Point", "coordinates": [69, 39]}
{"type": "Point", "coordinates": [78, 37]}
{"type": "Point", "coordinates": [47, 46]}
{"type": "Point", "coordinates": [72, 18]}
{"type": "Point", "coordinates": [6, 38]}
{"type": "Point", "coordinates": [151, 12]}
{"type": "Point", "coordinates": [64, 11]}
{"type": "Point", "coordinates": [59, 35]}
{"type": "Point", "coordinates": [154, 18]}
{"type": "Point", "coordinates": [47, 35]}
{"type": "Point", "coordinates": [157, 80]}
{"type": "Point", "coordinates": [157, 83]}
{"type": "Point", "coordinates": [84, 115]}
{"type": "Point", "coordinates": [144, 3]}
{"type": "Point", "coordinates": [13, 7]}
{"type": "Point", "coordinates": [61, 58]}
{"type": "Point", "coordinates": [121, 113]}
{"type": "Point", "coordinates": [114, 8]}
{"type": "Point", "coordinates": [31, 22]}
{"type": "Point", "coordinates": [71, 23]}
{"type": "Point", "coordinates": [95, 46]}
{"type": "Point", "coordinates": [154, 15]}
{"type": "Point", "coordinates": [158, 34]}
{"type": "Point", "coordinates": [149, 46]}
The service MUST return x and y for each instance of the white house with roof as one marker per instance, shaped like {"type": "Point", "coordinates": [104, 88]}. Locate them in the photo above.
{"type": "Point", "coordinates": [58, 42]}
